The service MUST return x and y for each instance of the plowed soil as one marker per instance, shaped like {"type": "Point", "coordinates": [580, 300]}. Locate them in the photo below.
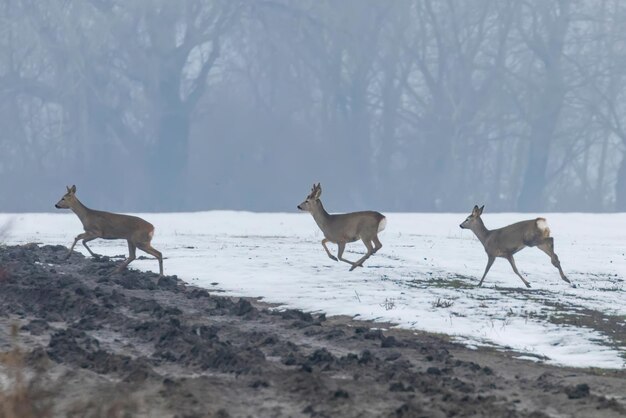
{"type": "Point", "coordinates": [99, 343]}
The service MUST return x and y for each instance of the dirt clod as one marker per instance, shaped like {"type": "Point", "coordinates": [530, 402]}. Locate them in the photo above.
{"type": "Point", "coordinates": [578, 391]}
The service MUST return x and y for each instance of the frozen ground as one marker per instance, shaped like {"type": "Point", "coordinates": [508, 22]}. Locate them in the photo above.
{"type": "Point", "coordinates": [423, 278]}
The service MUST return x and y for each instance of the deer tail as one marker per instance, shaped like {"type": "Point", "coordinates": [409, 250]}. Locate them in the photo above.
{"type": "Point", "coordinates": [382, 224]}
{"type": "Point", "coordinates": [542, 224]}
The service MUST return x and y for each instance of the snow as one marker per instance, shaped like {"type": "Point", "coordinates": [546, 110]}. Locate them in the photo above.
{"type": "Point", "coordinates": [425, 258]}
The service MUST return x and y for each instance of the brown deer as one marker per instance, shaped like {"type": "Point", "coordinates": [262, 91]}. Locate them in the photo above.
{"type": "Point", "coordinates": [504, 242]}
{"type": "Point", "coordinates": [106, 225]}
{"type": "Point", "coordinates": [346, 227]}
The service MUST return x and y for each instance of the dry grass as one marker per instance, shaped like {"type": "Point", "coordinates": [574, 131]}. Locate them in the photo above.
{"type": "Point", "coordinates": [4, 229]}
{"type": "Point", "coordinates": [388, 304]}
{"type": "Point", "coordinates": [97, 408]}
{"type": "Point", "coordinates": [24, 395]}
{"type": "Point", "coordinates": [442, 303]}
{"type": "Point", "coordinates": [20, 399]}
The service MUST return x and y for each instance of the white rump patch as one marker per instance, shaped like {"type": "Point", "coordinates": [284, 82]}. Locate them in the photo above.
{"type": "Point", "coordinates": [382, 224]}
{"type": "Point", "coordinates": [542, 224]}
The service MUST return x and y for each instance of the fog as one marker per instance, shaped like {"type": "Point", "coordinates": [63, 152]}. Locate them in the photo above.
{"type": "Point", "coordinates": [427, 105]}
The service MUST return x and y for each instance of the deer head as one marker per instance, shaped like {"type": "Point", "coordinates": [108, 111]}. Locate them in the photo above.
{"type": "Point", "coordinates": [312, 199]}
{"type": "Point", "coordinates": [473, 218]}
{"type": "Point", "coordinates": [68, 199]}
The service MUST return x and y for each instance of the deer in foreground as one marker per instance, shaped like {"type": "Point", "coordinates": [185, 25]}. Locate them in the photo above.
{"type": "Point", "coordinates": [504, 242]}
{"type": "Point", "coordinates": [106, 225]}
{"type": "Point", "coordinates": [343, 228]}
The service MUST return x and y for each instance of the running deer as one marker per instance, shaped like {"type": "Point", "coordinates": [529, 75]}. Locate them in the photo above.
{"type": "Point", "coordinates": [504, 242]}
{"type": "Point", "coordinates": [106, 225]}
{"type": "Point", "coordinates": [346, 227]}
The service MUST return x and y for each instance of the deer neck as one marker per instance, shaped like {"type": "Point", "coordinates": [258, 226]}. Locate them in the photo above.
{"type": "Point", "coordinates": [320, 215]}
{"type": "Point", "coordinates": [81, 211]}
{"type": "Point", "coordinates": [480, 230]}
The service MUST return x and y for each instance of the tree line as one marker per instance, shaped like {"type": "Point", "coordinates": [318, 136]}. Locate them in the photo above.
{"type": "Point", "coordinates": [404, 105]}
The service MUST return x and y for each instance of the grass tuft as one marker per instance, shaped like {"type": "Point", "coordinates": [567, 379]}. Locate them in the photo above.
{"type": "Point", "coordinates": [20, 399]}
{"type": "Point", "coordinates": [442, 303]}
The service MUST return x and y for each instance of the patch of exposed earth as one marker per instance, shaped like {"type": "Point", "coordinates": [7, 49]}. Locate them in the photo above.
{"type": "Point", "coordinates": [96, 343]}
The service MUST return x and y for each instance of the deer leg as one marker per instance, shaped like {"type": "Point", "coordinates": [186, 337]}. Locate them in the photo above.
{"type": "Point", "coordinates": [512, 261]}
{"type": "Point", "coordinates": [370, 249]}
{"type": "Point", "coordinates": [324, 241]}
{"type": "Point", "coordinates": [342, 246]}
{"type": "Point", "coordinates": [131, 257]}
{"type": "Point", "coordinates": [377, 244]}
{"type": "Point", "coordinates": [85, 241]}
{"type": "Point", "coordinates": [84, 235]}
{"type": "Point", "coordinates": [153, 251]}
{"type": "Point", "coordinates": [547, 246]}
{"type": "Point", "coordinates": [489, 264]}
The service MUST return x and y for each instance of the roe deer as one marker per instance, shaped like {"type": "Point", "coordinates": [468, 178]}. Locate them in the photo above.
{"type": "Point", "coordinates": [106, 225]}
{"type": "Point", "coordinates": [504, 242]}
{"type": "Point", "coordinates": [346, 227]}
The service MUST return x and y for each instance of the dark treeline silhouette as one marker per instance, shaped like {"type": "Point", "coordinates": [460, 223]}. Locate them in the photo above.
{"type": "Point", "coordinates": [425, 105]}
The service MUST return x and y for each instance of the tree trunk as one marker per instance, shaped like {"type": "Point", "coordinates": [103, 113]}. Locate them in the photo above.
{"type": "Point", "coordinates": [620, 187]}
{"type": "Point", "coordinates": [169, 159]}
{"type": "Point", "coordinates": [547, 107]}
{"type": "Point", "coordinates": [544, 126]}
{"type": "Point", "coordinates": [531, 196]}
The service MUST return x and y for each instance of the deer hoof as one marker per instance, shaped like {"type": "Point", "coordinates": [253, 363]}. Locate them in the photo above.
{"type": "Point", "coordinates": [528, 285]}
{"type": "Point", "coordinates": [332, 257]}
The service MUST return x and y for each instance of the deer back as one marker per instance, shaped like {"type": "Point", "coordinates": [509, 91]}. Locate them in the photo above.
{"type": "Point", "coordinates": [514, 237]}
{"type": "Point", "coordinates": [118, 226]}
{"type": "Point", "coordinates": [352, 226]}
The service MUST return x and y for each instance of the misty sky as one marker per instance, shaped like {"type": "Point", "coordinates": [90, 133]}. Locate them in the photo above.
{"type": "Point", "coordinates": [241, 104]}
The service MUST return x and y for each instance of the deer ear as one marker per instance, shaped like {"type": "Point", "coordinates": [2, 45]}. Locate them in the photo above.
{"type": "Point", "coordinates": [73, 189]}
{"type": "Point", "coordinates": [68, 188]}
{"type": "Point", "coordinates": [480, 211]}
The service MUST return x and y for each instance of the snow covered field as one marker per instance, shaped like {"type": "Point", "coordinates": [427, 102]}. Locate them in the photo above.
{"type": "Point", "coordinates": [423, 278]}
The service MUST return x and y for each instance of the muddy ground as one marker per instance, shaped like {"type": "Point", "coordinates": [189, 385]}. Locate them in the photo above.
{"type": "Point", "coordinates": [101, 344]}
